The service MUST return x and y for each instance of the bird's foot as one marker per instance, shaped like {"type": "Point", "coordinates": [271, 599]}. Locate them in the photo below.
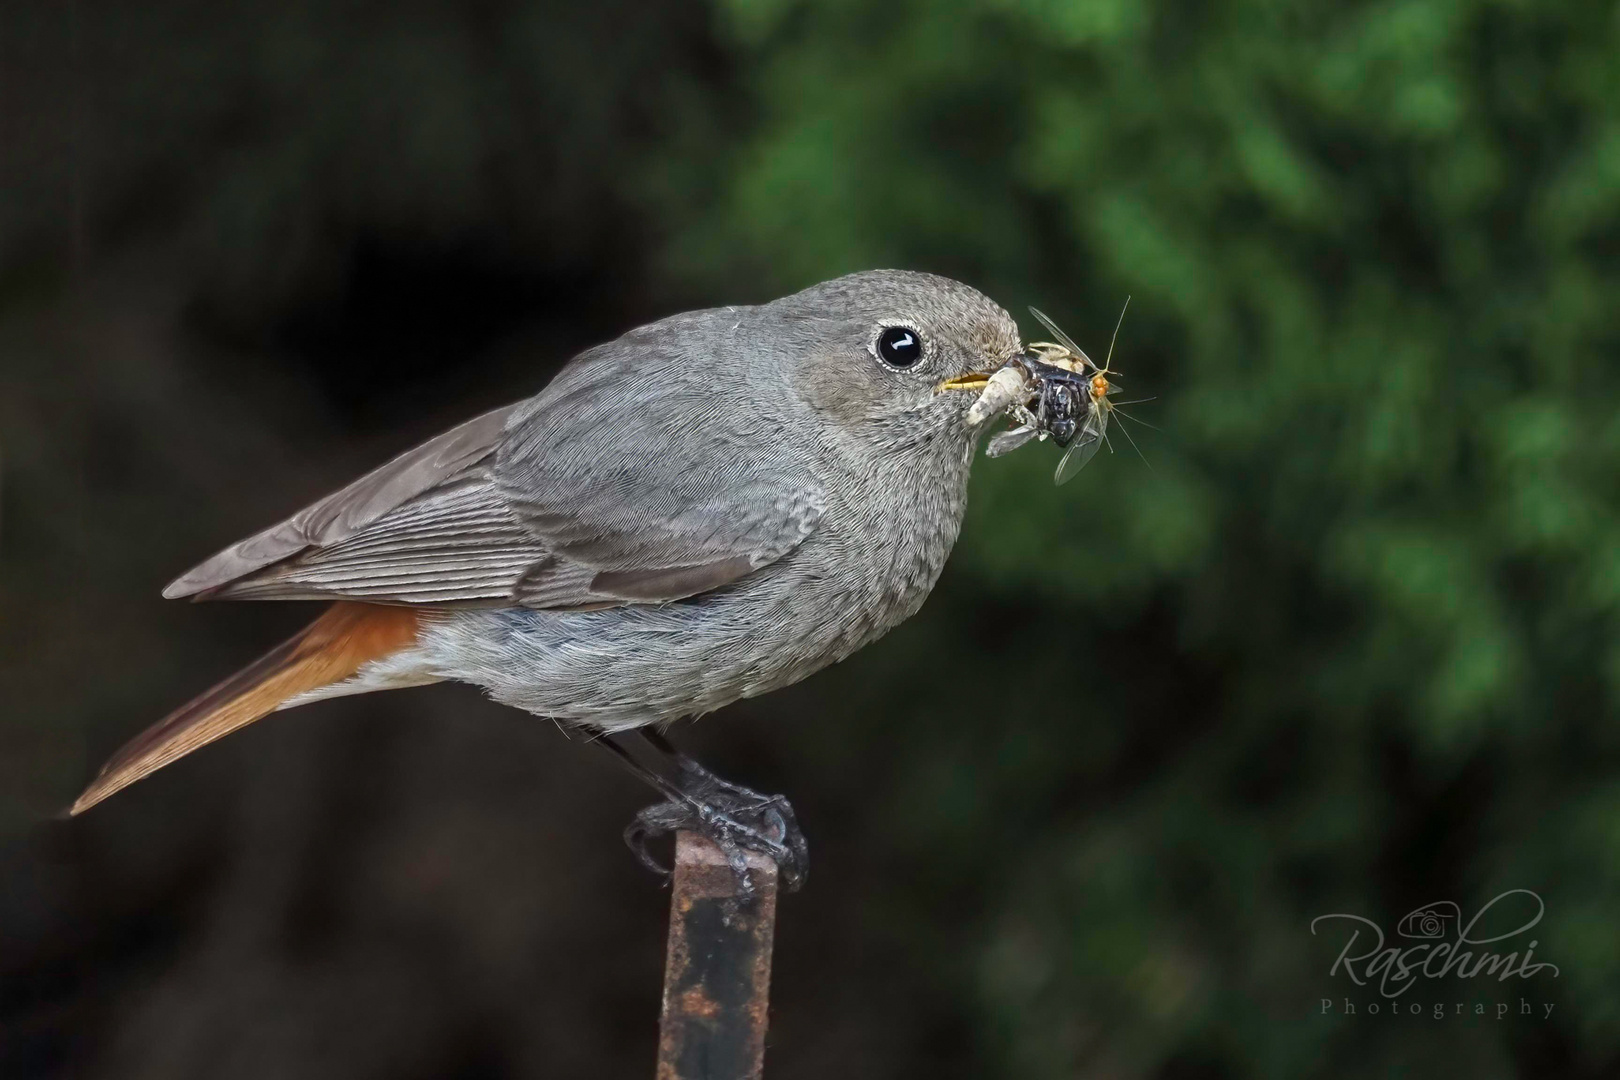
{"type": "Point", "coordinates": [736, 819]}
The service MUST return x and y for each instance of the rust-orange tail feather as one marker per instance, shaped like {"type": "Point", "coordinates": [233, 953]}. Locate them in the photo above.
{"type": "Point", "coordinates": [333, 647]}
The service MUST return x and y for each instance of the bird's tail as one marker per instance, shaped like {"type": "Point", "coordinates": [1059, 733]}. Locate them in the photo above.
{"type": "Point", "coordinates": [332, 648]}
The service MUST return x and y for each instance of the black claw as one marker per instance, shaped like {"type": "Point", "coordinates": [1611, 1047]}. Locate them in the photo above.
{"type": "Point", "coordinates": [735, 818]}
{"type": "Point", "coordinates": [637, 836]}
{"type": "Point", "coordinates": [736, 826]}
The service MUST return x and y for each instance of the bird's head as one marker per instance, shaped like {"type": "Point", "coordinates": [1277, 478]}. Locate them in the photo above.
{"type": "Point", "coordinates": [879, 353]}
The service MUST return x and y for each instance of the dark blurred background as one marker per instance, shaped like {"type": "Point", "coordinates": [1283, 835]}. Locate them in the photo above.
{"type": "Point", "coordinates": [1349, 645]}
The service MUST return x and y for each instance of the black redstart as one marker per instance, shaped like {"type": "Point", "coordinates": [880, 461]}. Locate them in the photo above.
{"type": "Point", "coordinates": [708, 508]}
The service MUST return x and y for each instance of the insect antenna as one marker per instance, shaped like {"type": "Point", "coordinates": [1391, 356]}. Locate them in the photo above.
{"type": "Point", "coordinates": [1109, 359]}
{"type": "Point", "coordinates": [1136, 419]}
{"type": "Point", "coordinates": [1127, 433]}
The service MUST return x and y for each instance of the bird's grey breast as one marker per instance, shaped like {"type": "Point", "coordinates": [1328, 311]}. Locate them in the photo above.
{"type": "Point", "coordinates": [888, 533]}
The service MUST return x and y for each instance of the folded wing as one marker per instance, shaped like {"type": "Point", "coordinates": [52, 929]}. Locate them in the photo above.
{"type": "Point", "coordinates": [387, 526]}
{"type": "Point", "coordinates": [624, 482]}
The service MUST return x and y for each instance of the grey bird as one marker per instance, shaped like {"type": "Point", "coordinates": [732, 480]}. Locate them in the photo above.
{"type": "Point", "coordinates": [707, 508]}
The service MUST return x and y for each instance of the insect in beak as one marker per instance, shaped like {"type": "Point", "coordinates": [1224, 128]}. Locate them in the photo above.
{"type": "Point", "coordinates": [976, 381]}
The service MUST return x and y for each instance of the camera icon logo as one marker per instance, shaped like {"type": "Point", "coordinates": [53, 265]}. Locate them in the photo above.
{"type": "Point", "coordinates": [1430, 921]}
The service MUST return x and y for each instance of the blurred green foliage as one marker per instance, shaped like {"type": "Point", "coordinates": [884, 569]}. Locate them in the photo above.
{"type": "Point", "coordinates": [1374, 255]}
{"type": "Point", "coordinates": [1346, 639]}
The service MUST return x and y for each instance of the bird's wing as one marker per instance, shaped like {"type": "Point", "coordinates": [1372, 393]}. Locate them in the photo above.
{"type": "Point", "coordinates": [455, 543]}
{"type": "Point", "coordinates": [429, 502]}
{"type": "Point", "coordinates": [618, 484]}
{"type": "Point", "coordinates": [652, 472]}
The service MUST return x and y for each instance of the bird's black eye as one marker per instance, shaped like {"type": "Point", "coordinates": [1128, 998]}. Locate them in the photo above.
{"type": "Point", "coordinates": [899, 346]}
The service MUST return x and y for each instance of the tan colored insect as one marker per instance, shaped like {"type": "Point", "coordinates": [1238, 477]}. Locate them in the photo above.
{"type": "Point", "coordinates": [1093, 432]}
{"type": "Point", "coordinates": [1053, 391]}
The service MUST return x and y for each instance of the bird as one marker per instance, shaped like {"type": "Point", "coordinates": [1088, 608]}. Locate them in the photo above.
{"type": "Point", "coordinates": [707, 508]}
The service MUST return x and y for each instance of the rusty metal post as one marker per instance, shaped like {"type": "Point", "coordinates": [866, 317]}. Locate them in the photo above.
{"type": "Point", "coordinates": [717, 976]}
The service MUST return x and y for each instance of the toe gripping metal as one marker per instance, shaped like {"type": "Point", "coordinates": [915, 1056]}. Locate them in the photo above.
{"type": "Point", "coordinates": [735, 818]}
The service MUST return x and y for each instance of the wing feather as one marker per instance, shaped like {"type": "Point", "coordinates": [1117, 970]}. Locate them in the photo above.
{"type": "Point", "coordinates": [455, 544]}
{"type": "Point", "coordinates": [645, 484]}
{"type": "Point", "coordinates": [347, 511]}
{"type": "Point", "coordinates": [627, 481]}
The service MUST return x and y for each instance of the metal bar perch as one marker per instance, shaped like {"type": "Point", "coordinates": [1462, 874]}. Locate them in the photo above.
{"type": "Point", "coordinates": [717, 973]}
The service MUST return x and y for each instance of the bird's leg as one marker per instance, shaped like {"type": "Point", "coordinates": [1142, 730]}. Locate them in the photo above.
{"type": "Point", "coordinates": [737, 819]}
{"type": "Point", "coordinates": [770, 817]}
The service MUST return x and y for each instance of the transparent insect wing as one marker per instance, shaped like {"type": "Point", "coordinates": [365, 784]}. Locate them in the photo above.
{"type": "Point", "coordinates": [1063, 339]}
{"type": "Point", "coordinates": [1085, 445]}
{"type": "Point", "coordinates": [1008, 441]}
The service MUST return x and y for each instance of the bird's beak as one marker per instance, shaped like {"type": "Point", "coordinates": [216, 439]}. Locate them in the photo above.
{"type": "Point", "coordinates": [976, 381]}
{"type": "Point", "coordinates": [972, 380]}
